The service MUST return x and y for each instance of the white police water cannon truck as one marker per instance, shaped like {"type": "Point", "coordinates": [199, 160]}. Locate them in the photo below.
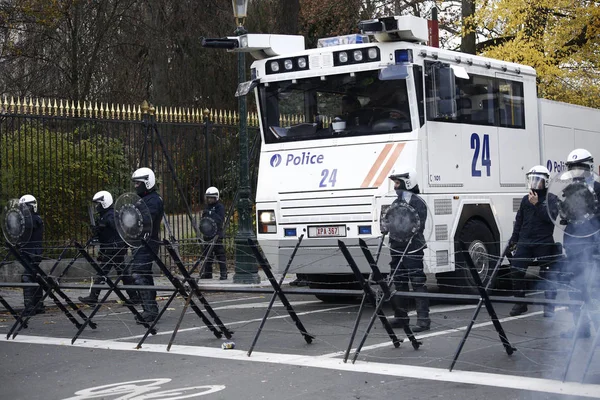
{"type": "Point", "coordinates": [337, 120]}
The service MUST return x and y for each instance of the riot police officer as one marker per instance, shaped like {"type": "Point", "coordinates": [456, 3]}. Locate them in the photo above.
{"type": "Point", "coordinates": [32, 252]}
{"type": "Point", "coordinates": [141, 265]}
{"type": "Point", "coordinates": [407, 255]}
{"type": "Point", "coordinates": [112, 248]}
{"type": "Point", "coordinates": [580, 241]}
{"type": "Point", "coordinates": [533, 237]}
{"type": "Point", "coordinates": [216, 212]}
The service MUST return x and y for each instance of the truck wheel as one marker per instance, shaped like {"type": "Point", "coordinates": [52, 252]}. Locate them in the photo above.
{"type": "Point", "coordinates": [334, 281]}
{"type": "Point", "coordinates": [482, 247]}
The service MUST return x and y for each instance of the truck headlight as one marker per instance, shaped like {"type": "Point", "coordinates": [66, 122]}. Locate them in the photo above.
{"type": "Point", "coordinates": [267, 222]}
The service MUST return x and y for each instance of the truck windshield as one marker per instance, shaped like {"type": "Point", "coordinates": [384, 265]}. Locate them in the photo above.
{"type": "Point", "coordinates": [354, 104]}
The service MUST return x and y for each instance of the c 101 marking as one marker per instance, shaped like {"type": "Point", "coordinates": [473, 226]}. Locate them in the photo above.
{"type": "Point", "coordinates": [328, 179]}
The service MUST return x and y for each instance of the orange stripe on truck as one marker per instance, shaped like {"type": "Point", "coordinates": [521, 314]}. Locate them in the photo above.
{"type": "Point", "coordinates": [377, 164]}
{"type": "Point", "coordinates": [389, 165]}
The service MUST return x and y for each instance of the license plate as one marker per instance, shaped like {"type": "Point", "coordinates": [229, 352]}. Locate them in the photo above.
{"type": "Point", "coordinates": [327, 231]}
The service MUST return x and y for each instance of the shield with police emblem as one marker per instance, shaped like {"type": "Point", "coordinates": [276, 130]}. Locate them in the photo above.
{"type": "Point", "coordinates": [573, 202]}
{"type": "Point", "coordinates": [406, 219]}
{"type": "Point", "coordinates": [132, 219]}
{"type": "Point", "coordinates": [17, 222]}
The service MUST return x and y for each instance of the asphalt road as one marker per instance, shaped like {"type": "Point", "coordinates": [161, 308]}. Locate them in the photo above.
{"type": "Point", "coordinates": [41, 362]}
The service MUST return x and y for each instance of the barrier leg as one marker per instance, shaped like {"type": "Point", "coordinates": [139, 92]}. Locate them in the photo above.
{"type": "Point", "coordinates": [274, 296]}
{"type": "Point", "coordinates": [267, 270]}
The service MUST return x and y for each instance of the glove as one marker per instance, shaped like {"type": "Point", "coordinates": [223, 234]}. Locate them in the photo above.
{"type": "Point", "coordinates": [511, 248]}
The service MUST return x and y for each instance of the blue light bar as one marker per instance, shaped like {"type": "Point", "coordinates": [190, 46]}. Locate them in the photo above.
{"type": "Point", "coordinates": [364, 230]}
{"type": "Point", "coordinates": [340, 40]}
{"type": "Point", "coordinates": [289, 231]}
{"type": "Point", "coordinates": [403, 56]}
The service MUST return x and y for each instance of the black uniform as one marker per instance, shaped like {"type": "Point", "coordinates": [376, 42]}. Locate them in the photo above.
{"type": "Point", "coordinates": [533, 235]}
{"type": "Point", "coordinates": [409, 267]}
{"type": "Point", "coordinates": [580, 252]}
{"type": "Point", "coordinates": [216, 212]}
{"type": "Point", "coordinates": [141, 265]}
{"type": "Point", "coordinates": [32, 252]}
{"type": "Point", "coordinates": [111, 254]}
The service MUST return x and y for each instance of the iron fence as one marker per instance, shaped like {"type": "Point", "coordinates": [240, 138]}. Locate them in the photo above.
{"type": "Point", "coordinates": [64, 157]}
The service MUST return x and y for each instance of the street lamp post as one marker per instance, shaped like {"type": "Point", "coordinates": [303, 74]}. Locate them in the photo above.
{"type": "Point", "coordinates": [246, 269]}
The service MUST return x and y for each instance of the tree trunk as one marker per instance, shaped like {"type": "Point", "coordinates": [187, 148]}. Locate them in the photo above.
{"type": "Point", "coordinates": [467, 45]}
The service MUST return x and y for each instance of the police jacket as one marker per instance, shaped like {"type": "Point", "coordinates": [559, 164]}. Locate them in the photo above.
{"type": "Point", "coordinates": [418, 241]}
{"type": "Point", "coordinates": [107, 232]}
{"type": "Point", "coordinates": [33, 247]}
{"type": "Point", "coordinates": [216, 212]}
{"type": "Point", "coordinates": [532, 223]}
{"type": "Point", "coordinates": [155, 205]}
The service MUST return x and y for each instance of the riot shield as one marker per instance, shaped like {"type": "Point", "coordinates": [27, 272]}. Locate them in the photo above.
{"type": "Point", "coordinates": [573, 202]}
{"type": "Point", "coordinates": [132, 219]}
{"type": "Point", "coordinates": [17, 222]}
{"type": "Point", "coordinates": [406, 220]}
{"type": "Point", "coordinates": [208, 228]}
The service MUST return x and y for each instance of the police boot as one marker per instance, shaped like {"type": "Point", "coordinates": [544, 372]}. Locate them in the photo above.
{"type": "Point", "coordinates": [207, 273]}
{"type": "Point", "coordinates": [92, 298]}
{"type": "Point", "coordinates": [584, 329]}
{"type": "Point", "coordinates": [423, 321]}
{"type": "Point", "coordinates": [549, 308]}
{"type": "Point", "coordinates": [149, 306]}
{"type": "Point", "coordinates": [223, 274]}
{"type": "Point", "coordinates": [401, 318]}
{"type": "Point", "coordinates": [518, 308]}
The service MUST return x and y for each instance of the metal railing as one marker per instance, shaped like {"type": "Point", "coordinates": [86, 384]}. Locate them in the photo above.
{"type": "Point", "coordinates": [63, 153]}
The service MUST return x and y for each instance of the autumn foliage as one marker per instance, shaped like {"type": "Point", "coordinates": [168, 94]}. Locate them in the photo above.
{"type": "Point", "coordinates": [559, 38]}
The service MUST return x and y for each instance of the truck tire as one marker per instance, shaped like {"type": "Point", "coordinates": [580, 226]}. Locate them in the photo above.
{"type": "Point", "coordinates": [334, 281]}
{"type": "Point", "coordinates": [484, 250]}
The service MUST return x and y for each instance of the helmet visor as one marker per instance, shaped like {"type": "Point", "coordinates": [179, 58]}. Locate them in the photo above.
{"type": "Point", "coordinates": [536, 182]}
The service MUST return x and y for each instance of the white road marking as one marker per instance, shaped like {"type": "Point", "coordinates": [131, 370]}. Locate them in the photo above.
{"type": "Point", "coordinates": [434, 310]}
{"type": "Point", "coordinates": [406, 371]}
{"type": "Point", "coordinates": [440, 333]}
{"type": "Point", "coordinates": [231, 307]}
{"type": "Point", "coordinates": [239, 322]}
{"type": "Point", "coordinates": [264, 304]}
